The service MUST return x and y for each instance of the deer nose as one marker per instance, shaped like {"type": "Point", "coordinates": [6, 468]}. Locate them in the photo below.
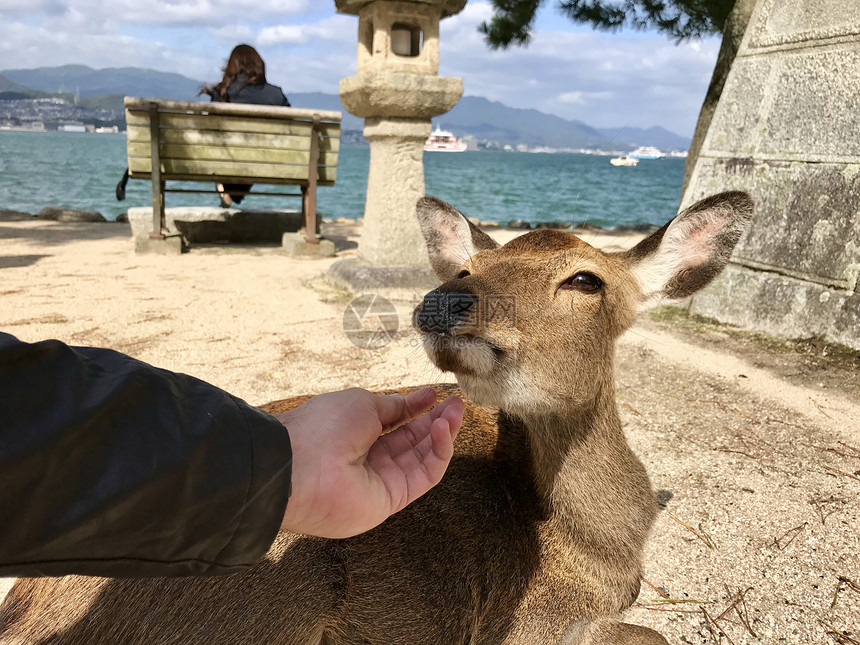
{"type": "Point", "coordinates": [441, 312]}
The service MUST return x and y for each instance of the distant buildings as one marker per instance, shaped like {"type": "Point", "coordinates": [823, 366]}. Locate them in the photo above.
{"type": "Point", "coordinates": [56, 114]}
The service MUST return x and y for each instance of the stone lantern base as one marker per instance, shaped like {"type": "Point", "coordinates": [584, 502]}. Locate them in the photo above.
{"type": "Point", "coordinates": [396, 282]}
{"type": "Point", "coordinates": [395, 182]}
{"type": "Point", "coordinates": [392, 253]}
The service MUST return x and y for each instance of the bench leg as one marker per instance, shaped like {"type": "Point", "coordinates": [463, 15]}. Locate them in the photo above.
{"type": "Point", "coordinates": [158, 218]}
{"type": "Point", "coordinates": [309, 192]}
{"type": "Point", "coordinates": [309, 214]}
{"type": "Point", "coordinates": [157, 183]}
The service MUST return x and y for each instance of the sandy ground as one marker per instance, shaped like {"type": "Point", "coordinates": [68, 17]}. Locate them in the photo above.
{"type": "Point", "coordinates": [753, 444]}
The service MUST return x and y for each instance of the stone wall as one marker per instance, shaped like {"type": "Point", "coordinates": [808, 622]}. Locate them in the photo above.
{"type": "Point", "coordinates": [787, 130]}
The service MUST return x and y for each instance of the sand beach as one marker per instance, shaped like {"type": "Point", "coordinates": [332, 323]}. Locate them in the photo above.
{"type": "Point", "coordinates": [752, 443]}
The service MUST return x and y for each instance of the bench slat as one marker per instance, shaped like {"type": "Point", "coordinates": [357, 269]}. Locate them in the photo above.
{"type": "Point", "coordinates": [229, 179]}
{"type": "Point", "coordinates": [221, 153]}
{"type": "Point", "coordinates": [206, 122]}
{"type": "Point", "coordinates": [133, 103]}
{"type": "Point", "coordinates": [174, 169]}
{"type": "Point", "coordinates": [231, 139]}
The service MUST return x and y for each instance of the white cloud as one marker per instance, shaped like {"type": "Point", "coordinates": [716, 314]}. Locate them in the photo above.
{"type": "Point", "coordinates": [230, 35]}
{"type": "Point", "coordinates": [602, 79]}
{"type": "Point", "coordinates": [294, 34]}
{"type": "Point", "coordinates": [336, 28]}
{"type": "Point", "coordinates": [91, 15]}
{"type": "Point", "coordinates": [582, 98]}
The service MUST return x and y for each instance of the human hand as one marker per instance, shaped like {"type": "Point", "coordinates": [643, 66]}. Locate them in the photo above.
{"type": "Point", "coordinates": [347, 476]}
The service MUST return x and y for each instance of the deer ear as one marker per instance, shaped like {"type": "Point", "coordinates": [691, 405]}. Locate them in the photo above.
{"type": "Point", "coordinates": [451, 238]}
{"type": "Point", "coordinates": [691, 250]}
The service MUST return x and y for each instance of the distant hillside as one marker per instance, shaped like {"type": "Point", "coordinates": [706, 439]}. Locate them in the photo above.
{"type": "Point", "coordinates": [497, 122]}
{"type": "Point", "coordinates": [8, 87]}
{"type": "Point", "coordinates": [473, 115]}
{"type": "Point", "coordinates": [86, 81]}
{"type": "Point", "coordinates": [653, 136]}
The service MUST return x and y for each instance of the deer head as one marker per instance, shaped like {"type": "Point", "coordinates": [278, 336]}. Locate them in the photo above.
{"type": "Point", "coordinates": [530, 326]}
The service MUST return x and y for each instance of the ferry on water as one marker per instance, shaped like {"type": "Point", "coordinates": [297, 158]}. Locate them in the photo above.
{"type": "Point", "coordinates": [443, 141]}
{"type": "Point", "coordinates": [646, 152]}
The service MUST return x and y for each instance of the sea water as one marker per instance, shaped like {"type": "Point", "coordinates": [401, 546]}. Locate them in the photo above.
{"type": "Point", "coordinates": [80, 171]}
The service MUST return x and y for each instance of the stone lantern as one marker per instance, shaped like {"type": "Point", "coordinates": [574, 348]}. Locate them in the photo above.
{"type": "Point", "coordinates": [397, 91]}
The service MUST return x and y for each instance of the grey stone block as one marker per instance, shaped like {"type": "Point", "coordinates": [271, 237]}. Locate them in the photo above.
{"type": "Point", "coordinates": [15, 216]}
{"type": "Point", "coordinates": [358, 276]}
{"type": "Point", "coordinates": [207, 224]}
{"type": "Point", "coordinates": [806, 221]}
{"type": "Point", "coordinates": [815, 107]}
{"type": "Point", "coordinates": [781, 305]}
{"type": "Point", "coordinates": [169, 245]}
{"type": "Point", "coordinates": [296, 244]}
{"type": "Point", "coordinates": [785, 23]}
{"type": "Point", "coordinates": [734, 128]}
{"type": "Point", "coordinates": [70, 215]}
{"type": "Point", "coordinates": [791, 107]}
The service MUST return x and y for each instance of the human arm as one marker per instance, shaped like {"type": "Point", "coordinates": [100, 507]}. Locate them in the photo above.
{"type": "Point", "coordinates": [116, 468]}
{"type": "Point", "coordinates": [113, 467]}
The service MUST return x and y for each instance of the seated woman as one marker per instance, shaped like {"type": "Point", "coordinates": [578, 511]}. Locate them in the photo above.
{"type": "Point", "coordinates": [244, 81]}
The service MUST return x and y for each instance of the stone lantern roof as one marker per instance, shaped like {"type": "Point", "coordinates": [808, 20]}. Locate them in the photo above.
{"type": "Point", "coordinates": [447, 7]}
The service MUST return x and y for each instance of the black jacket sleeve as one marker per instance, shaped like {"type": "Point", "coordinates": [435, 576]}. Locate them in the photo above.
{"type": "Point", "coordinates": [112, 467]}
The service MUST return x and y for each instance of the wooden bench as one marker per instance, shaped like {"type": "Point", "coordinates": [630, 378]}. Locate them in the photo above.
{"type": "Point", "coordinates": [231, 143]}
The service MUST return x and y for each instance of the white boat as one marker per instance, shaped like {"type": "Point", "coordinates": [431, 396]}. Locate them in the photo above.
{"type": "Point", "coordinates": [624, 160]}
{"type": "Point", "coordinates": [646, 152]}
{"type": "Point", "coordinates": [443, 141]}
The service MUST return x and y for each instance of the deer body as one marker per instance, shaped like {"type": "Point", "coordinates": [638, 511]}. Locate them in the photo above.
{"type": "Point", "coordinates": [535, 533]}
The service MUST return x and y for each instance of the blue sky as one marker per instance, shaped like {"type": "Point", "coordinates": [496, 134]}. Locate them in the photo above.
{"type": "Point", "coordinates": [606, 80]}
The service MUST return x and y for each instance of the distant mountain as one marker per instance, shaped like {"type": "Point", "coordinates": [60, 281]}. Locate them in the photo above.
{"type": "Point", "coordinates": [86, 81]}
{"type": "Point", "coordinates": [653, 136]}
{"type": "Point", "coordinates": [497, 122]}
{"type": "Point", "coordinates": [473, 115]}
{"type": "Point", "coordinates": [9, 88]}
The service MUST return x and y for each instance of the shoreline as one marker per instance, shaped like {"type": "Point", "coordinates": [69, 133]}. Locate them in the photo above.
{"type": "Point", "coordinates": [52, 213]}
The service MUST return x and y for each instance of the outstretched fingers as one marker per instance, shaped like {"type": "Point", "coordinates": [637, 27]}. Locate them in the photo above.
{"type": "Point", "coordinates": [413, 458]}
{"type": "Point", "coordinates": [396, 410]}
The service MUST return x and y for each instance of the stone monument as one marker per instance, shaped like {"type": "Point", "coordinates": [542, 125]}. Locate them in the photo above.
{"type": "Point", "coordinates": [397, 91]}
{"type": "Point", "coordinates": [787, 130]}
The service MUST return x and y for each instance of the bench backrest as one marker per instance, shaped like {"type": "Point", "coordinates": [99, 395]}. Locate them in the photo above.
{"type": "Point", "coordinates": [230, 142]}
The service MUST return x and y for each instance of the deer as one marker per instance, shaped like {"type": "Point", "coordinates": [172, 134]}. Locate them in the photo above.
{"type": "Point", "coordinates": [536, 532]}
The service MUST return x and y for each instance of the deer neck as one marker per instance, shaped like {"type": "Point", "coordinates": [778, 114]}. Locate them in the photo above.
{"type": "Point", "coordinates": [590, 482]}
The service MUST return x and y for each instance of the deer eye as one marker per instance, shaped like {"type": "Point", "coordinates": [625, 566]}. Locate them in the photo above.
{"type": "Point", "coordinates": [584, 282]}
{"type": "Point", "coordinates": [462, 274]}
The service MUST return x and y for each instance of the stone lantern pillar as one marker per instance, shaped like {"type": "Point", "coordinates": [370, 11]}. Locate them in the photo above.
{"type": "Point", "coordinates": [397, 91]}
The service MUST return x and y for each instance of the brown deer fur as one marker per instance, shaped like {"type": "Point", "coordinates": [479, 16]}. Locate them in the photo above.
{"type": "Point", "coordinates": [534, 535]}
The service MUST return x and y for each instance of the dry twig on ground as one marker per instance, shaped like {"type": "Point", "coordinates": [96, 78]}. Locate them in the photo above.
{"type": "Point", "coordinates": [842, 581]}
{"type": "Point", "coordinates": [659, 591]}
{"type": "Point", "coordinates": [716, 632]}
{"type": "Point", "coordinates": [707, 539]}
{"type": "Point", "coordinates": [839, 636]}
{"type": "Point", "coordinates": [791, 534]}
{"type": "Point", "coordinates": [738, 605]}
{"type": "Point", "coordinates": [823, 506]}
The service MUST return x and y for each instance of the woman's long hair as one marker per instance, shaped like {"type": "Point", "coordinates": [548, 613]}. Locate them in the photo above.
{"type": "Point", "coordinates": [244, 59]}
